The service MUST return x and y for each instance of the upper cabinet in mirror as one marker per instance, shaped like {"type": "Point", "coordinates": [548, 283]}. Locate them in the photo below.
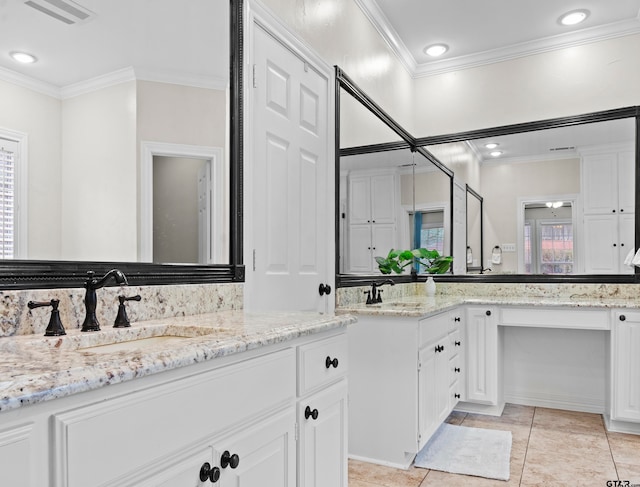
{"type": "Point", "coordinates": [557, 201]}
{"type": "Point", "coordinates": [119, 130]}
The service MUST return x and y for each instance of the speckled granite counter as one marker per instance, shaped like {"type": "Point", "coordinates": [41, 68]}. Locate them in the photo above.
{"type": "Point", "coordinates": [36, 368]}
{"type": "Point", "coordinates": [422, 306]}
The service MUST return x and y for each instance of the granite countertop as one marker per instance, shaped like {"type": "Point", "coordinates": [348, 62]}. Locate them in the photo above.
{"type": "Point", "coordinates": [423, 306]}
{"type": "Point", "coordinates": [34, 368]}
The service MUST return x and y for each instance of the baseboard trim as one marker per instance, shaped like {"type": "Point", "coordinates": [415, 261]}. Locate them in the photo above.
{"type": "Point", "coordinates": [556, 401]}
{"type": "Point", "coordinates": [402, 466]}
{"type": "Point", "coordinates": [621, 426]}
{"type": "Point", "coordinates": [488, 409]}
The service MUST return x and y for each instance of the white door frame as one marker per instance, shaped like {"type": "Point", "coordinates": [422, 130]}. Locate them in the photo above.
{"type": "Point", "coordinates": [258, 15]}
{"type": "Point", "coordinates": [213, 155]}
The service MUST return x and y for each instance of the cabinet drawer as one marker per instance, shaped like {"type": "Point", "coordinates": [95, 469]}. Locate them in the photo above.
{"type": "Point", "coordinates": [582, 319]}
{"type": "Point", "coordinates": [434, 328]}
{"type": "Point", "coordinates": [322, 362]}
{"type": "Point", "coordinates": [132, 431]}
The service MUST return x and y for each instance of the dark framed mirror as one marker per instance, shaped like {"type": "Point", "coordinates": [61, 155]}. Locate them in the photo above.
{"type": "Point", "coordinates": [391, 193]}
{"type": "Point", "coordinates": [87, 226]}
{"type": "Point", "coordinates": [474, 256]}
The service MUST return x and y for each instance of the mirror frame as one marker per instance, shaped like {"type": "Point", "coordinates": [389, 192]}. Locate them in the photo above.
{"type": "Point", "coordinates": [471, 192]}
{"type": "Point", "coordinates": [41, 274]}
{"type": "Point", "coordinates": [408, 142]}
{"type": "Point", "coordinates": [344, 280]}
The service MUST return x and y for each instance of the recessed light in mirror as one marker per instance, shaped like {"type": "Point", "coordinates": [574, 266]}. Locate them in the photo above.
{"type": "Point", "coordinates": [574, 17]}
{"type": "Point", "coordinates": [491, 145]}
{"type": "Point", "coordinates": [436, 50]}
{"type": "Point", "coordinates": [23, 57]}
{"type": "Point", "coordinates": [495, 153]}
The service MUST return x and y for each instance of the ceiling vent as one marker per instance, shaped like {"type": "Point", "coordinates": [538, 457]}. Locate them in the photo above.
{"type": "Point", "coordinates": [561, 149]}
{"type": "Point", "coordinates": [63, 10]}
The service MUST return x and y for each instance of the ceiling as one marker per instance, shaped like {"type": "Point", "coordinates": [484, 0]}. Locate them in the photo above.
{"type": "Point", "coordinates": [184, 41]}
{"type": "Point", "coordinates": [481, 32]}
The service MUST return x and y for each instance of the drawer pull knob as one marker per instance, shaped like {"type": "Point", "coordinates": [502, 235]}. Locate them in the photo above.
{"type": "Point", "coordinates": [488, 313]}
{"type": "Point", "coordinates": [622, 317]}
{"type": "Point", "coordinates": [457, 396]}
{"type": "Point", "coordinates": [328, 363]}
{"type": "Point", "coordinates": [208, 473]}
{"type": "Point", "coordinates": [457, 369]}
{"type": "Point", "coordinates": [308, 413]}
{"type": "Point", "coordinates": [439, 348]}
{"type": "Point", "coordinates": [229, 460]}
{"type": "Point", "coordinates": [457, 343]}
{"type": "Point", "coordinates": [457, 319]}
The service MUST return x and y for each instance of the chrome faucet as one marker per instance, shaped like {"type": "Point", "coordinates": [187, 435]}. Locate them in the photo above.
{"type": "Point", "coordinates": [91, 300]}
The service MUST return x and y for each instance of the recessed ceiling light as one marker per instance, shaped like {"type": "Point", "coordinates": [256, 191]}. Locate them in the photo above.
{"type": "Point", "coordinates": [23, 57]}
{"type": "Point", "coordinates": [574, 17]}
{"type": "Point", "coordinates": [495, 153]}
{"type": "Point", "coordinates": [436, 50]}
{"type": "Point", "coordinates": [491, 145]}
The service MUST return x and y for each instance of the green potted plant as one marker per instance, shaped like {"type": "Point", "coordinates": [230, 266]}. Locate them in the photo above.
{"type": "Point", "coordinates": [397, 260]}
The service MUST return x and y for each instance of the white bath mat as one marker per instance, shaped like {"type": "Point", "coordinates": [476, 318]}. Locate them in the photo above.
{"type": "Point", "coordinates": [468, 451]}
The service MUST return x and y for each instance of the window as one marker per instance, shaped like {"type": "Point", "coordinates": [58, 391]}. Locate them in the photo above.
{"type": "Point", "coordinates": [427, 230]}
{"type": "Point", "coordinates": [551, 251]}
{"type": "Point", "coordinates": [8, 156]}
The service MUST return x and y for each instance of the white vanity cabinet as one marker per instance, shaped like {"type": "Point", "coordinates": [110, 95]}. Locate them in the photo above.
{"type": "Point", "coordinates": [625, 369]}
{"type": "Point", "coordinates": [401, 385]}
{"type": "Point", "coordinates": [233, 421]}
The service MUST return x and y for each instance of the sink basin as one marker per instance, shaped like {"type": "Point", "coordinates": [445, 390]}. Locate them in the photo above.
{"type": "Point", "coordinates": [397, 305]}
{"type": "Point", "coordinates": [113, 340]}
{"type": "Point", "coordinates": [135, 344]}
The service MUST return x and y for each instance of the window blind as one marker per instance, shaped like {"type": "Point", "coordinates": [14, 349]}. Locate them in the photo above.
{"type": "Point", "coordinates": [8, 156]}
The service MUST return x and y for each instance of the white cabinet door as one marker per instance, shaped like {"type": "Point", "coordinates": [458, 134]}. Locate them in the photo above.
{"type": "Point", "coordinates": [600, 183]}
{"type": "Point", "coordinates": [383, 240]}
{"type": "Point", "coordinates": [482, 349]}
{"type": "Point", "coordinates": [359, 200]}
{"type": "Point", "coordinates": [433, 388]}
{"type": "Point", "coordinates": [265, 454]}
{"type": "Point", "coordinates": [359, 256]}
{"type": "Point", "coordinates": [182, 473]}
{"type": "Point", "coordinates": [627, 233]}
{"type": "Point", "coordinates": [322, 454]}
{"type": "Point", "coordinates": [16, 463]}
{"type": "Point", "coordinates": [625, 332]}
{"type": "Point", "coordinates": [383, 199]}
{"type": "Point", "coordinates": [601, 249]}
{"type": "Point", "coordinates": [626, 182]}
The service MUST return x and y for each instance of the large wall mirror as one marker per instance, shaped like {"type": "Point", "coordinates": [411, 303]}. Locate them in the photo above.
{"type": "Point", "coordinates": [559, 196]}
{"type": "Point", "coordinates": [125, 136]}
{"type": "Point", "coordinates": [391, 193]}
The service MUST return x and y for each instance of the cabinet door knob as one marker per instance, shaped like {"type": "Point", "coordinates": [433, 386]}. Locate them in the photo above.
{"type": "Point", "coordinates": [457, 344]}
{"type": "Point", "coordinates": [439, 348]}
{"type": "Point", "coordinates": [622, 317]}
{"type": "Point", "coordinates": [308, 413]}
{"type": "Point", "coordinates": [457, 396]}
{"type": "Point", "coordinates": [457, 318]}
{"type": "Point", "coordinates": [457, 369]}
{"type": "Point", "coordinates": [488, 313]}
{"type": "Point", "coordinates": [328, 362]}
{"type": "Point", "coordinates": [208, 473]}
{"type": "Point", "coordinates": [229, 460]}
{"type": "Point", "coordinates": [324, 289]}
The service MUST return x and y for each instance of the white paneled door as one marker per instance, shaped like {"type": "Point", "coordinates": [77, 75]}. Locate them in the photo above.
{"type": "Point", "coordinates": [290, 199]}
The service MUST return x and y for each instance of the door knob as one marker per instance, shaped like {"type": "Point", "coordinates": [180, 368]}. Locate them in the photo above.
{"type": "Point", "coordinates": [208, 473]}
{"type": "Point", "coordinates": [324, 289]}
{"type": "Point", "coordinates": [328, 362]}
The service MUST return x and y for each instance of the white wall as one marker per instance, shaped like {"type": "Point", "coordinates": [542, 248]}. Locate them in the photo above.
{"type": "Point", "coordinates": [38, 116]}
{"type": "Point", "coordinates": [99, 177]}
{"type": "Point", "coordinates": [576, 80]}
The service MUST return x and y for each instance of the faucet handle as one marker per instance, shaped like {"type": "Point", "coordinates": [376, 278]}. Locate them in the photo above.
{"type": "Point", "coordinates": [122, 320]}
{"type": "Point", "coordinates": [54, 328]}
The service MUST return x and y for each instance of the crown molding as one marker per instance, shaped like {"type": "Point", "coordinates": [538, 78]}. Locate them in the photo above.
{"type": "Point", "coordinates": [195, 81]}
{"type": "Point", "coordinates": [417, 70]}
{"type": "Point", "coordinates": [97, 83]}
{"type": "Point", "coordinates": [30, 83]}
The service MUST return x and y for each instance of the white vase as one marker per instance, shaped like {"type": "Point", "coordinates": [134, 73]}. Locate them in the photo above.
{"type": "Point", "coordinates": [430, 286]}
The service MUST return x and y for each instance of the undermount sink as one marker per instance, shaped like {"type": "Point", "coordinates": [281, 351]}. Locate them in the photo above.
{"type": "Point", "coordinates": [397, 304]}
{"type": "Point", "coordinates": [113, 340]}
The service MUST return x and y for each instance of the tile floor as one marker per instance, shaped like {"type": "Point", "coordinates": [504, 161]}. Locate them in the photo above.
{"type": "Point", "coordinates": [550, 448]}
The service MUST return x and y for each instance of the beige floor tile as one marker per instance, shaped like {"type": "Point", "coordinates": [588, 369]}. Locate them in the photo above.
{"type": "Point", "coordinates": [625, 448]}
{"type": "Point", "coordinates": [385, 476]}
{"type": "Point", "coordinates": [456, 417]}
{"type": "Point", "coordinates": [439, 479]}
{"type": "Point", "coordinates": [568, 421]}
{"type": "Point", "coordinates": [361, 483]}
